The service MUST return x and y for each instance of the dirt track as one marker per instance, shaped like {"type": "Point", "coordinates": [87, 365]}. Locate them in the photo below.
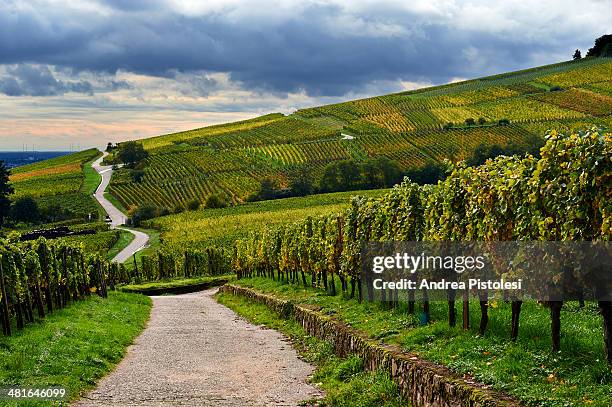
{"type": "Point", "coordinates": [196, 352]}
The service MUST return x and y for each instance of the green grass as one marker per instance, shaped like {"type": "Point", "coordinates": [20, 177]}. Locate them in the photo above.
{"type": "Point", "coordinates": [115, 202]}
{"type": "Point", "coordinates": [125, 238]}
{"type": "Point", "coordinates": [174, 283]}
{"type": "Point", "coordinates": [526, 369]}
{"type": "Point", "coordinates": [91, 178]}
{"type": "Point", "coordinates": [152, 248]}
{"type": "Point", "coordinates": [343, 379]}
{"type": "Point", "coordinates": [73, 347]}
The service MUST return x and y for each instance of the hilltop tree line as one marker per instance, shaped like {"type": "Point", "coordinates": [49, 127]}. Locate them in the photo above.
{"type": "Point", "coordinates": [601, 48]}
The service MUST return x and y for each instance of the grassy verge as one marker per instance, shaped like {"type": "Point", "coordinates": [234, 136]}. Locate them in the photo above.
{"type": "Point", "coordinates": [125, 238]}
{"type": "Point", "coordinates": [526, 369]}
{"type": "Point", "coordinates": [91, 178]}
{"type": "Point", "coordinates": [152, 248]}
{"type": "Point", "coordinates": [73, 347]}
{"type": "Point", "coordinates": [178, 283]}
{"type": "Point", "coordinates": [344, 380]}
{"type": "Point", "coordinates": [115, 202]}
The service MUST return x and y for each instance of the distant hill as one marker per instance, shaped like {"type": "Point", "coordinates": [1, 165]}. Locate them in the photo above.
{"type": "Point", "coordinates": [14, 159]}
{"type": "Point", "coordinates": [413, 128]}
{"type": "Point", "coordinates": [57, 185]}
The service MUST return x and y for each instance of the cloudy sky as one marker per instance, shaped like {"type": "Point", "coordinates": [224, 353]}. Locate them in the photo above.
{"type": "Point", "coordinates": [82, 73]}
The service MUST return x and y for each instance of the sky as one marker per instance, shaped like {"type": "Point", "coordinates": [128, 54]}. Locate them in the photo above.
{"type": "Point", "coordinates": [78, 74]}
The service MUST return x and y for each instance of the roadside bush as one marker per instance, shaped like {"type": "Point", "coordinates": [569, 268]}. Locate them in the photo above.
{"type": "Point", "coordinates": [193, 205]}
{"type": "Point", "coordinates": [217, 200]}
{"type": "Point", "coordinates": [178, 208]}
{"type": "Point", "coordinates": [147, 210]}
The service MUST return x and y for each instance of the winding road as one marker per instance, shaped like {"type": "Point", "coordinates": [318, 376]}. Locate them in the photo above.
{"type": "Point", "coordinates": [117, 217]}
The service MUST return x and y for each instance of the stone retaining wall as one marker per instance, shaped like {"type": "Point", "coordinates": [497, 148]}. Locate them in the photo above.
{"type": "Point", "coordinates": [422, 382]}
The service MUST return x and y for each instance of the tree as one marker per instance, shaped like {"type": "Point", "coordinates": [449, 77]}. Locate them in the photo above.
{"type": "Point", "coordinates": [350, 174]}
{"type": "Point", "coordinates": [343, 175]}
{"type": "Point", "coordinates": [217, 200]}
{"type": "Point", "coordinates": [5, 191]}
{"type": "Point", "coordinates": [391, 170]}
{"type": "Point", "coordinates": [147, 210]}
{"type": "Point", "coordinates": [193, 205]}
{"type": "Point", "coordinates": [577, 55]}
{"type": "Point", "coordinates": [602, 47]}
{"type": "Point", "coordinates": [482, 120]}
{"type": "Point", "coordinates": [431, 173]}
{"type": "Point", "coordinates": [131, 153]}
{"type": "Point", "coordinates": [470, 121]}
{"type": "Point", "coordinates": [25, 209]}
{"type": "Point", "coordinates": [301, 183]}
{"type": "Point", "coordinates": [109, 147]}
{"type": "Point", "coordinates": [268, 189]}
{"type": "Point", "coordinates": [503, 122]}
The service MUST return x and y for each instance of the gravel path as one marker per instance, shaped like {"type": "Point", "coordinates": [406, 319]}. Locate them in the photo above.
{"type": "Point", "coordinates": [117, 217]}
{"type": "Point", "coordinates": [197, 352]}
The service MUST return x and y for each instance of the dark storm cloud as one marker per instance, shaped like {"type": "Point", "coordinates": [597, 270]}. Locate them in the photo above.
{"type": "Point", "coordinates": [30, 80]}
{"type": "Point", "coordinates": [302, 52]}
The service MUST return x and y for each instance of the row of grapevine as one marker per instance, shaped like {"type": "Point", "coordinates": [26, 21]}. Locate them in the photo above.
{"type": "Point", "coordinates": [460, 143]}
{"type": "Point", "coordinates": [523, 109]}
{"type": "Point", "coordinates": [480, 95]}
{"type": "Point", "coordinates": [604, 87]}
{"type": "Point", "coordinates": [41, 276]}
{"type": "Point", "coordinates": [570, 70]}
{"type": "Point", "coordinates": [599, 70]}
{"type": "Point", "coordinates": [396, 147]}
{"type": "Point", "coordinates": [180, 181]}
{"type": "Point", "coordinates": [283, 131]}
{"type": "Point", "coordinates": [192, 263]}
{"type": "Point", "coordinates": [583, 101]}
{"type": "Point", "coordinates": [304, 153]}
{"type": "Point", "coordinates": [163, 141]}
{"type": "Point", "coordinates": [564, 196]}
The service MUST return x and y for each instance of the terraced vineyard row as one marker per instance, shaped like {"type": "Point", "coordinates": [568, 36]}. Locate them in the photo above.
{"type": "Point", "coordinates": [171, 192]}
{"type": "Point", "coordinates": [158, 142]}
{"type": "Point", "coordinates": [282, 131]}
{"type": "Point", "coordinates": [579, 100]}
{"type": "Point", "coordinates": [306, 153]}
{"type": "Point", "coordinates": [460, 143]}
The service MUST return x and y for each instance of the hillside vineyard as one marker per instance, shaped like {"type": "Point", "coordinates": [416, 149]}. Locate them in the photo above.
{"type": "Point", "coordinates": [413, 128]}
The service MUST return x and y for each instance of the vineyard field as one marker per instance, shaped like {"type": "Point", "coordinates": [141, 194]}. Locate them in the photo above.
{"type": "Point", "coordinates": [158, 142]}
{"type": "Point", "coordinates": [580, 100]}
{"type": "Point", "coordinates": [221, 227]}
{"type": "Point", "coordinates": [414, 128]}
